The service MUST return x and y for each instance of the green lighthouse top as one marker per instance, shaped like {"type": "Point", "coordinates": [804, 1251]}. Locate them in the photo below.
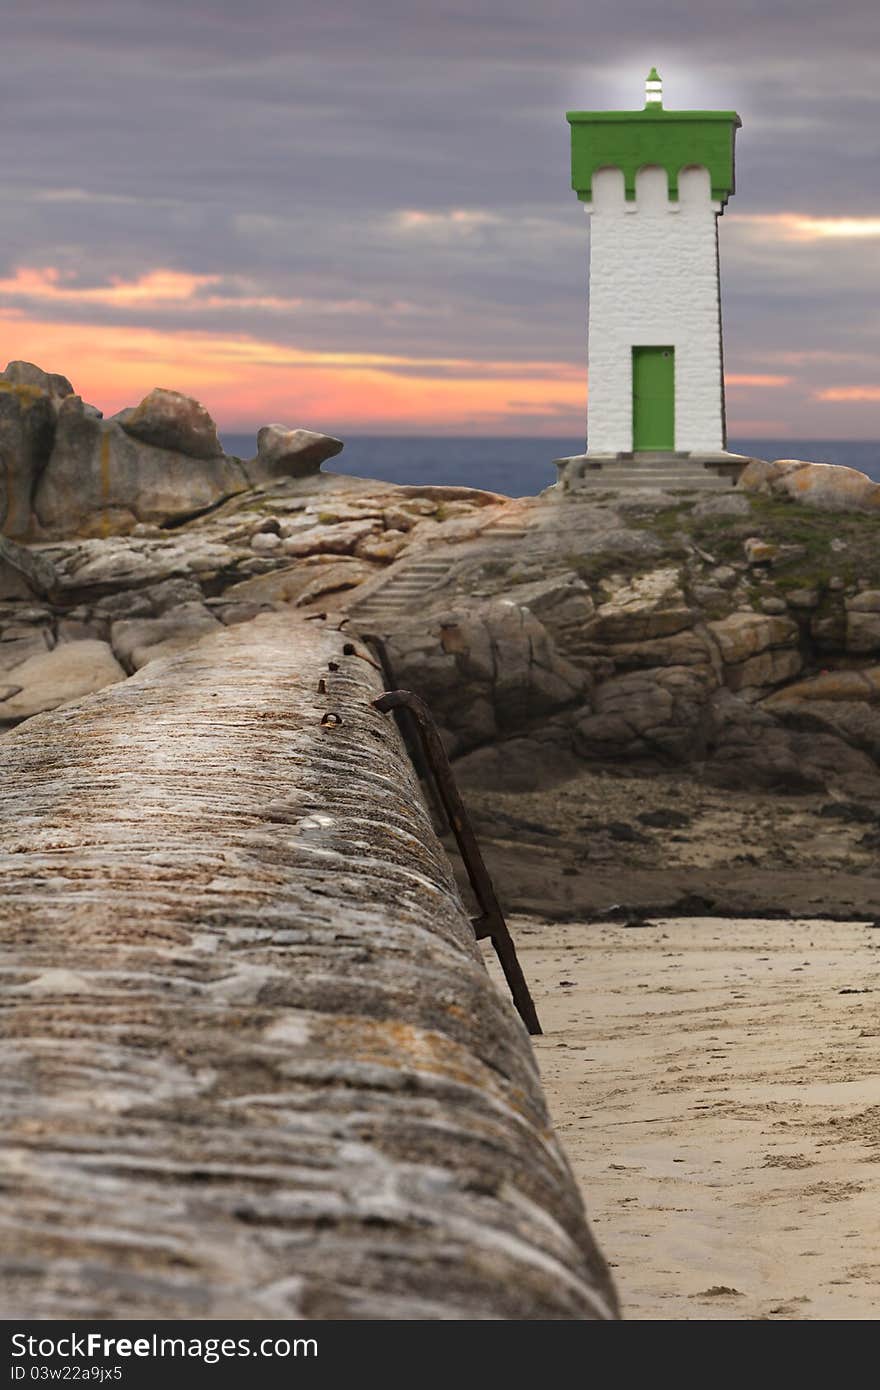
{"type": "Point", "coordinates": [628, 140]}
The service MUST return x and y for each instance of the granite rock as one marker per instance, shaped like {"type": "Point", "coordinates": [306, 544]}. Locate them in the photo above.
{"type": "Point", "coordinates": [831, 686]}
{"type": "Point", "coordinates": [333, 539]}
{"type": "Point", "coordinates": [101, 479]}
{"type": "Point", "coordinates": [825, 486]}
{"type": "Point", "coordinates": [742, 635]}
{"type": "Point", "coordinates": [862, 632]}
{"type": "Point", "coordinates": [866, 601]}
{"type": "Point", "coordinates": [645, 713]}
{"type": "Point", "coordinates": [25, 572]}
{"type": "Point", "coordinates": [27, 425]}
{"type": "Point", "coordinates": [28, 374]}
{"type": "Point", "coordinates": [381, 546]}
{"type": "Point", "coordinates": [180, 424]}
{"type": "Point", "coordinates": [52, 678]}
{"type": "Point", "coordinates": [651, 605]}
{"type": "Point", "coordinates": [137, 641]}
{"type": "Point", "coordinates": [770, 667]}
{"type": "Point", "coordinates": [17, 647]}
{"type": "Point", "coordinates": [289, 453]}
{"type": "Point", "coordinates": [486, 670]}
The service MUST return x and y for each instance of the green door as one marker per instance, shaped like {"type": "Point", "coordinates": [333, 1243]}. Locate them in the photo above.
{"type": "Point", "coordinates": [653, 398]}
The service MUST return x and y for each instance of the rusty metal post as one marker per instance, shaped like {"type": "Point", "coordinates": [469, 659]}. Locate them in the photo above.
{"type": "Point", "coordinates": [491, 923]}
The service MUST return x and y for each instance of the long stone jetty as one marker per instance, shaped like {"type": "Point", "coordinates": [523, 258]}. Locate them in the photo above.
{"type": "Point", "coordinates": [252, 1063]}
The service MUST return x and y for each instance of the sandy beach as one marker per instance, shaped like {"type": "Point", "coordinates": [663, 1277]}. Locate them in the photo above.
{"type": "Point", "coordinates": [716, 1084]}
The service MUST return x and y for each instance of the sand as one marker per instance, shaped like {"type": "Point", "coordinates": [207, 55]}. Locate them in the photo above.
{"type": "Point", "coordinates": [716, 1084]}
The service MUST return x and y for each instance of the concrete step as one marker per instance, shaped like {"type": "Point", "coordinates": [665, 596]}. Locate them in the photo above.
{"type": "Point", "coordinates": [608, 480]}
{"type": "Point", "coordinates": [651, 471]}
{"type": "Point", "coordinates": [626, 466]}
{"type": "Point", "coordinates": [652, 475]}
{"type": "Point", "coordinates": [656, 471]}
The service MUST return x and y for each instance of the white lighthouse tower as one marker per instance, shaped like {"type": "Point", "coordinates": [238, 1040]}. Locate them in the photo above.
{"type": "Point", "coordinates": [654, 183]}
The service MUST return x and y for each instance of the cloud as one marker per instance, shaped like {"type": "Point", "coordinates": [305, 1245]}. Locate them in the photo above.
{"type": "Point", "coordinates": [755, 379]}
{"type": "Point", "coordinates": [455, 222]}
{"type": "Point", "coordinates": [390, 181]}
{"type": "Point", "coordinates": [795, 226]}
{"type": "Point", "coordinates": [48, 284]}
{"type": "Point", "coordinates": [848, 393]}
{"type": "Point", "coordinates": [807, 356]}
{"type": "Point", "coordinates": [85, 195]}
{"type": "Point", "coordinates": [172, 290]}
{"type": "Point", "coordinates": [245, 381]}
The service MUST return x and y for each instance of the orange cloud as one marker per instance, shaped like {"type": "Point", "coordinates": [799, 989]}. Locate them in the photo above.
{"type": "Point", "coordinates": [807, 356]}
{"type": "Point", "coordinates": [156, 287]}
{"type": "Point", "coordinates": [796, 226]}
{"type": "Point", "coordinates": [848, 393]}
{"type": "Point", "coordinates": [171, 289]}
{"type": "Point", "coordinates": [753, 379]}
{"type": "Point", "coordinates": [459, 220]}
{"type": "Point", "coordinates": [245, 381]}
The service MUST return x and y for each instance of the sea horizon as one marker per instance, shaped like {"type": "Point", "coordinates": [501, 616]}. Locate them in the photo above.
{"type": "Point", "coordinates": [522, 465]}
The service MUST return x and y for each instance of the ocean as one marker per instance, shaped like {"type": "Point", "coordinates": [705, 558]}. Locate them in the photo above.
{"type": "Point", "coordinates": [522, 467]}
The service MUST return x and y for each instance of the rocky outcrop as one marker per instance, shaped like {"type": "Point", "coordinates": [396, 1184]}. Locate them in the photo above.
{"type": "Point", "coordinates": [825, 486]}
{"type": "Point", "coordinates": [647, 713]}
{"type": "Point", "coordinates": [652, 605]}
{"type": "Point", "coordinates": [254, 1066]}
{"type": "Point", "coordinates": [168, 420]}
{"type": "Point", "coordinates": [32, 377]}
{"type": "Point", "coordinates": [485, 671]}
{"type": "Point", "coordinates": [844, 704]}
{"type": "Point", "coordinates": [101, 479]}
{"type": "Point", "coordinates": [743, 635]}
{"type": "Point", "coordinates": [757, 650]}
{"type": "Point", "coordinates": [845, 685]}
{"type": "Point", "coordinates": [24, 572]}
{"type": "Point", "coordinates": [618, 629]}
{"type": "Point", "coordinates": [64, 471]}
{"type": "Point", "coordinates": [20, 642]}
{"type": "Point", "coordinates": [138, 641]}
{"type": "Point", "coordinates": [286, 453]}
{"type": "Point", "coordinates": [686, 645]}
{"type": "Point", "coordinates": [27, 420]}
{"type": "Point", "coordinates": [49, 679]}
{"type": "Point", "coordinates": [340, 538]}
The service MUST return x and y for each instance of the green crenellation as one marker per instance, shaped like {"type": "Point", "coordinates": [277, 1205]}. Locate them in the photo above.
{"type": "Point", "coordinates": [672, 140]}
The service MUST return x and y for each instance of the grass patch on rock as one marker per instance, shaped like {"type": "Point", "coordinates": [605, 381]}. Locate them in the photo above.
{"type": "Point", "coordinates": [856, 554]}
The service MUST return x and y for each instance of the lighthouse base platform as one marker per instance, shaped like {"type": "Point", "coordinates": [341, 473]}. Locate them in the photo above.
{"type": "Point", "coordinates": [653, 472]}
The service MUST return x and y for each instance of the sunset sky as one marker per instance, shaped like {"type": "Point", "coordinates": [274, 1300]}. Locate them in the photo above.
{"type": "Point", "coordinates": [355, 216]}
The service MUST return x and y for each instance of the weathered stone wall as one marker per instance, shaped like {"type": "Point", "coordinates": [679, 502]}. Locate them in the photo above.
{"type": "Point", "coordinates": [252, 1064]}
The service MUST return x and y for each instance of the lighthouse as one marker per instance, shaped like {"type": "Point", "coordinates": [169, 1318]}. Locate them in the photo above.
{"type": "Point", "coordinates": [653, 183]}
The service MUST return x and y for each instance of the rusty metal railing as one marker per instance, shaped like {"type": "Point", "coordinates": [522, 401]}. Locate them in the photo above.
{"type": "Point", "coordinates": [491, 921]}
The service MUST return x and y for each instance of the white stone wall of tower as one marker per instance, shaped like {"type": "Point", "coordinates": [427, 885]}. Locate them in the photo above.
{"type": "Point", "coordinates": [654, 282]}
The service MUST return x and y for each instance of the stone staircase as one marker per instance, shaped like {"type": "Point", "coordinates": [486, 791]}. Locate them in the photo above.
{"type": "Point", "coordinates": [400, 594]}
{"type": "Point", "coordinates": [650, 472]}
{"type": "Point", "coordinates": [408, 583]}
